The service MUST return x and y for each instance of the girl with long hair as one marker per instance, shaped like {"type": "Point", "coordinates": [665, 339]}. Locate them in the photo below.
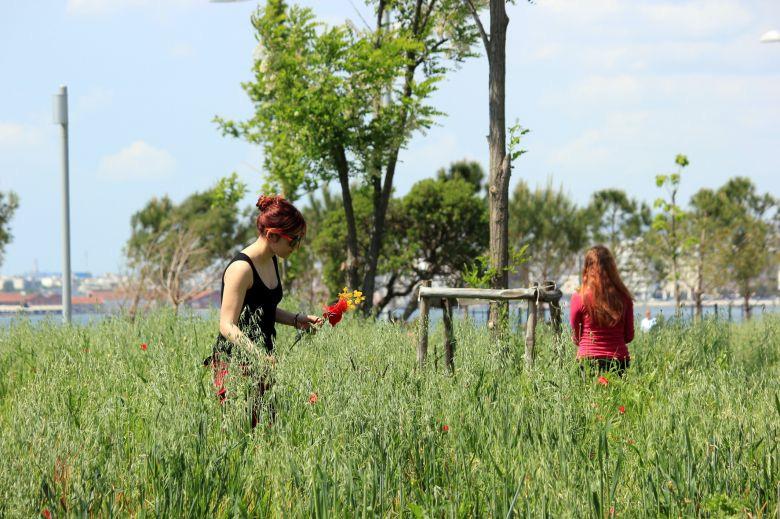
{"type": "Point", "coordinates": [602, 313]}
{"type": "Point", "coordinates": [251, 292]}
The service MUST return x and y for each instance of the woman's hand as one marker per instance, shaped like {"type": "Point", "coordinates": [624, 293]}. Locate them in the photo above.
{"type": "Point", "coordinates": [307, 322]}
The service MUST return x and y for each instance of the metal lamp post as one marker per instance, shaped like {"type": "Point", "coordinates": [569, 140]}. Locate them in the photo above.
{"type": "Point", "coordinates": [61, 119]}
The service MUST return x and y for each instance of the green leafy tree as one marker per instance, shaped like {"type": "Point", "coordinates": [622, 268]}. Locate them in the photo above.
{"type": "Point", "coordinates": [337, 103]}
{"type": "Point", "coordinates": [9, 203]}
{"type": "Point", "coordinates": [470, 171]}
{"type": "Point", "coordinates": [619, 222]}
{"type": "Point", "coordinates": [752, 235]}
{"type": "Point", "coordinates": [178, 250]}
{"type": "Point", "coordinates": [552, 228]}
{"type": "Point", "coordinates": [425, 244]}
{"type": "Point", "coordinates": [704, 235]}
{"type": "Point", "coordinates": [443, 222]}
{"type": "Point", "coordinates": [667, 224]}
{"type": "Point", "coordinates": [304, 268]}
{"type": "Point", "coordinates": [616, 220]}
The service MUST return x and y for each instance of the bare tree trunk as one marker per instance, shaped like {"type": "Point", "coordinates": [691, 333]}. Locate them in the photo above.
{"type": "Point", "coordinates": [498, 190]}
{"type": "Point", "coordinates": [675, 254]}
{"type": "Point", "coordinates": [340, 158]}
{"type": "Point", "coordinates": [699, 291]}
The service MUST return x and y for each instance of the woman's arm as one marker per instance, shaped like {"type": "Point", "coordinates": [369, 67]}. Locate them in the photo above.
{"type": "Point", "coordinates": [575, 317]}
{"type": "Point", "coordinates": [628, 320]}
{"type": "Point", "coordinates": [238, 279]}
{"type": "Point", "coordinates": [298, 320]}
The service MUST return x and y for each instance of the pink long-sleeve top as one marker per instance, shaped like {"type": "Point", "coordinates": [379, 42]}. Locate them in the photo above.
{"type": "Point", "coordinates": [601, 341]}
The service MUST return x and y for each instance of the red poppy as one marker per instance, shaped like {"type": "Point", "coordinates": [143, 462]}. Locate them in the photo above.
{"type": "Point", "coordinates": [335, 312]}
{"type": "Point", "coordinates": [313, 398]}
{"type": "Point", "coordinates": [603, 381]}
{"type": "Point", "coordinates": [45, 513]}
{"type": "Point", "coordinates": [445, 428]}
{"type": "Point", "coordinates": [143, 346]}
{"type": "Point", "coordinates": [622, 409]}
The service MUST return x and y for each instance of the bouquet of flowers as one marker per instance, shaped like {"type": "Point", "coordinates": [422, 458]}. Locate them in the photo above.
{"type": "Point", "coordinates": [348, 300]}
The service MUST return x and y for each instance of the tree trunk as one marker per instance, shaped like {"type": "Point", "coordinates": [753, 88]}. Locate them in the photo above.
{"type": "Point", "coordinates": [381, 203]}
{"type": "Point", "coordinates": [340, 158]}
{"type": "Point", "coordinates": [498, 190]}
{"type": "Point", "coordinates": [746, 303]}
{"type": "Point", "coordinates": [699, 291]}
{"type": "Point", "coordinates": [675, 247]}
{"type": "Point", "coordinates": [382, 195]}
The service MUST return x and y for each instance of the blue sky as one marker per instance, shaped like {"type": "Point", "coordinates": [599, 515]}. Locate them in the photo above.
{"type": "Point", "coordinates": [612, 91]}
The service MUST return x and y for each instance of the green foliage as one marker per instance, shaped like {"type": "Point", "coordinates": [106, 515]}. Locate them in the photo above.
{"type": "Point", "coordinates": [93, 425]}
{"type": "Point", "coordinates": [516, 133]}
{"type": "Point", "coordinates": [9, 202]}
{"type": "Point", "coordinates": [336, 102]}
{"type": "Point", "coordinates": [667, 226]}
{"type": "Point", "coordinates": [172, 245]}
{"type": "Point", "coordinates": [481, 272]}
{"type": "Point", "coordinates": [470, 171]}
{"type": "Point", "coordinates": [424, 242]}
{"type": "Point", "coordinates": [329, 240]}
{"type": "Point", "coordinates": [749, 221]}
{"type": "Point", "coordinates": [616, 219]}
{"type": "Point", "coordinates": [318, 89]}
{"type": "Point", "coordinates": [550, 225]}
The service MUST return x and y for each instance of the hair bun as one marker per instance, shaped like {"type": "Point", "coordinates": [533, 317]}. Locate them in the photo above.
{"type": "Point", "coordinates": [266, 201]}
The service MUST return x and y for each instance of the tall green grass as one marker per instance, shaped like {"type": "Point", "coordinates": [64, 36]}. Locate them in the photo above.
{"type": "Point", "coordinates": [93, 425]}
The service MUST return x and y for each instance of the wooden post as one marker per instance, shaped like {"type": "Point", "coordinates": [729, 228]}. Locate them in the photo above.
{"type": "Point", "coordinates": [530, 332]}
{"type": "Point", "coordinates": [555, 315]}
{"type": "Point", "coordinates": [449, 336]}
{"type": "Point", "coordinates": [555, 308]}
{"type": "Point", "coordinates": [422, 345]}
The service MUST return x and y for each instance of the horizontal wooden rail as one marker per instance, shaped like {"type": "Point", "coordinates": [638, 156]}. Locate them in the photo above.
{"type": "Point", "coordinates": [508, 294]}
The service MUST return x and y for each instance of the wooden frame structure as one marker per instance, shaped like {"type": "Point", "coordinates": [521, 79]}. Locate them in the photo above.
{"type": "Point", "coordinates": [444, 297]}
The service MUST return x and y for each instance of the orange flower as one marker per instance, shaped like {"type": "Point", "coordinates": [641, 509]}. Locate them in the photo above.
{"type": "Point", "coordinates": [45, 513]}
{"type": "Point", "coordinates": [445, 428]}
{"type": "Point", "coordinates": [313, 398]}
{"type": "Point", "coordinates": [143, 346]}
{"type": "Point", "coordinates": [603, 380]}
{"type": "Point", "coordinates": [622, 409]}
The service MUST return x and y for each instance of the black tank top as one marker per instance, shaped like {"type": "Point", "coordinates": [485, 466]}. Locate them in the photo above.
{"type": "Point", "coordinates": [258, 313]}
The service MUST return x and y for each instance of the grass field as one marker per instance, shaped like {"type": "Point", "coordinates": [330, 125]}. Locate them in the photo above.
{"type": "Point", "coordinates": [92, 424]}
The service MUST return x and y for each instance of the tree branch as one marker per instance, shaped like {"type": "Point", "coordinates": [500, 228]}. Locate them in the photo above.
{"type": "Point", "coordinates": [430, 51]}
{"type": "Point", "coordinates": [481, 27]}
{"type": "Point", "coordinates": [427, 16]}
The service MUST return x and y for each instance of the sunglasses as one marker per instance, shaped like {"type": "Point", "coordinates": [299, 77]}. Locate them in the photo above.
{"type": "Point", "coordinates": [294, 240]}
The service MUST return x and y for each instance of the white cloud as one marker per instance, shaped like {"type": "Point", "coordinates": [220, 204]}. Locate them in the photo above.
{"type": "Point", "coordinates": [16, 136]}
{"type": "Point", "coordinates": [138, 161]}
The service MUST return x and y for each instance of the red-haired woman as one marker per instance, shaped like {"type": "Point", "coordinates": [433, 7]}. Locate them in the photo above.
{"type": "Point", "coordinates": [602, 313]}
{"type": "Point", "coordinates": [251, 292]}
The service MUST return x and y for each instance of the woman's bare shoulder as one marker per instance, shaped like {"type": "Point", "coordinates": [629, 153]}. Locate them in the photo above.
{"type": "Point", "coordinates": [239, 272]}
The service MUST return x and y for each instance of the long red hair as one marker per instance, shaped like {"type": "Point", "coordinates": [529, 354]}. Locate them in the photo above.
{"type": "Point", "coordinates": [603, 292]}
